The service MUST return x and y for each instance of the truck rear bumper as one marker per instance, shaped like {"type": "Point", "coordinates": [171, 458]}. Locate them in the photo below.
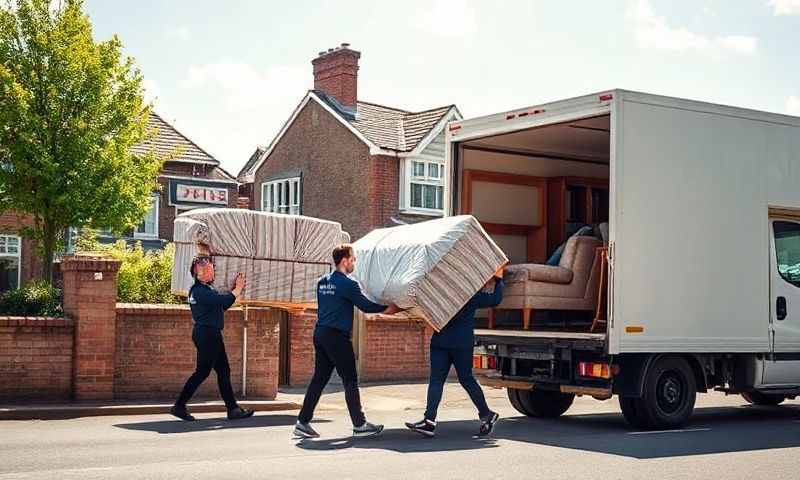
{"type": "Point", "coordinates": [491, 378]}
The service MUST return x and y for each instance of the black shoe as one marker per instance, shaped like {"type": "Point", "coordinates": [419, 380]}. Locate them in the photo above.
{"type": "Point", "coordinates": [304, 430]}
{"type": "Point", "coordinates": [239, 413]}
{"type": "Point", "coordinates": [424, 426]}
{"type": "Point", "coordinates": [487, 424]}
{"type": "Point", "coordinates": [182, 413]}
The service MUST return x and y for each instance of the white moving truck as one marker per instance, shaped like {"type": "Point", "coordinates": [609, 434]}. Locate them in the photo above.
{"type": "Point", "coordinates": [703, 290]}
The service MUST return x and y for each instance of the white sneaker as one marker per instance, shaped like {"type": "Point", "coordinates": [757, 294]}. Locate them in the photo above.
{"type": "Point", "coordinates": [367, 430]}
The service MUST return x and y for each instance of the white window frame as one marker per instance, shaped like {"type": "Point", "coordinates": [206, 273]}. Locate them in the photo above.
{"type": "Point", "coordinates": [156, 199]}
{"type": "Point", "coordinates": [18, 255]}
{"type": "Point", "coordinates": [274, 201]}
{"type": "Point", "coordinates": [426, 179]}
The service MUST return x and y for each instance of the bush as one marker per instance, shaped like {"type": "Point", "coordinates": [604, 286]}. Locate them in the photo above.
{"type": "Point", "coordinates": [144, 277]}
{"type": "Point", "coordinates": [35, 299]}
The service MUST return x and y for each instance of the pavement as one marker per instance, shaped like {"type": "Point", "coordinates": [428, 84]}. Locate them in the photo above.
{"type": "Point", "coordinates": [726, 439]}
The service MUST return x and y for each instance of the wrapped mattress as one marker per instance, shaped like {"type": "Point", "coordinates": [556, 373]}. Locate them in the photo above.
{"type": "Point", "coordinates": [281, 256]}
{"type": "Point", "coordinates": [431, 268]}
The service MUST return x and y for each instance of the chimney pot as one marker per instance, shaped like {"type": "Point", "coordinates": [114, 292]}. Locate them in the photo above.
{"type": "Point", "coordinates": [345, 45]}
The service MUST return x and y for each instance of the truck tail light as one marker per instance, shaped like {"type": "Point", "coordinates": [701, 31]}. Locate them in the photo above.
{"type": "Point", "coordinates": [484, 362]}
{"type": "Point", "coordinates": [606, 97]}
{"type": "Point", "coordinates": [597, 370]}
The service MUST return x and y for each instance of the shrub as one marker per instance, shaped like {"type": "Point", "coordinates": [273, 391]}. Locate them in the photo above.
{"type": "Point", "coordinates": [144, 277]}
{"type": "Point", "coordinates": [38, 298]}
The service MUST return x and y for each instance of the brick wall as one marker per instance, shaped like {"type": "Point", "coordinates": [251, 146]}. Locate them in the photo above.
{"type": "Point", "coordinates": [383, 190]}
{"type": "Point", "coordinates": [335, 166]}
{"type": "Point", "coordinates": [35, 358]}
{"type": "Point", "coordinates": [155, 354]}
{"type": "Point", "coordinates": [395, 349]}
{"type": "Point", "coordinates": [301, 347]}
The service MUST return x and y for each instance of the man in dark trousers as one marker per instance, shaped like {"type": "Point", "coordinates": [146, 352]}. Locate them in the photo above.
{"type": "Point", "coordinates": [453, 346]}
{"type": "Point", "coordinates": [337, 294]}
{"type": "Point", "coordinates": [208, 315]}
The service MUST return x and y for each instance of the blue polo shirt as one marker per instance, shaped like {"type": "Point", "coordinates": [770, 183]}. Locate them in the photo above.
{"type": "Point", "coordinates": [336, 296]}
{"type": "Point", "coordinates": [460, 331]}
{"type": "Point", "coordinates": [208, 305]}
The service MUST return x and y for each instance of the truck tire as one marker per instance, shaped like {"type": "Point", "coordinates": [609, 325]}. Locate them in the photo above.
{"type": "Point", "coordinates": [632, 411]}
{"type": "Point", "coordinates": [540, 403]}
{"type": "Point", "coordinates": [764, 399]}
{"type": "Point", "coordinates": [670, 390]}
{"type": "Point", "coordinates": [513, 397]}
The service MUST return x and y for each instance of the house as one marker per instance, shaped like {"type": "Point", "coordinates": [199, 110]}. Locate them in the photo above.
{"type": "Point", "coordinates": [191, 178]}
{"type": "Point", "coordinates": [340, 158]}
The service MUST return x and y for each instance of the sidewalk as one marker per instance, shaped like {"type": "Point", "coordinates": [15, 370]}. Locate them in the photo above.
{"type": "Point", "coordinates": [76, 410]}
{"type": "Point", "coordinates": [374, 397]}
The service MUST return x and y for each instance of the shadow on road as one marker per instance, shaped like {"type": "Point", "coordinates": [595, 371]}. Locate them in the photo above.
{"type": "Point", "coordinates": [714, 430]}
{"type": "Point", "coordinates": [207, 424]}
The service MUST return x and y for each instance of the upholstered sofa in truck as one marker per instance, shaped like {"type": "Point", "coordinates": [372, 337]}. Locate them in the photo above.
{"type": "Point", "coordinates": [572, 285]}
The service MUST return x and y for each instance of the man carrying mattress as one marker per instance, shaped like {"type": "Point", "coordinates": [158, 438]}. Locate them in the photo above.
{"type": "Point", "coordinates": [337, 294]}
{"type": "Point", "coordinates": [453, 346]}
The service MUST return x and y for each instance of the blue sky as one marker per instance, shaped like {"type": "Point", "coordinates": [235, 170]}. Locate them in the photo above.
{"type": "Point", "coordinates": [228, 74]}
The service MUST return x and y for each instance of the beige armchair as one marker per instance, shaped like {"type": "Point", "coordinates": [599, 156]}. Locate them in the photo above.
{"type": "Point", "coordinates": [572, 285]}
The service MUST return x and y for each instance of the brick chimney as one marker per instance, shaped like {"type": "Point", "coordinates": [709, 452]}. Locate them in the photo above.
{"type": "Point", "coordinates": [336, 73]}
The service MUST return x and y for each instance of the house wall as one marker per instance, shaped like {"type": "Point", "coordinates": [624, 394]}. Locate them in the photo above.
{"type": "Point", "coordinates": [335, 167]}
{"type": "Point", "coordinates": [11, 223]}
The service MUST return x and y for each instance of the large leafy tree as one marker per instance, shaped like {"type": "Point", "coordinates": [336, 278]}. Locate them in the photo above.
{"type": "Point", "coordinates": [70, 111]}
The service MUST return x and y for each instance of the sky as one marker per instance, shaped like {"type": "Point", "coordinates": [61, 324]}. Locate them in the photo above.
{"type": "Point", "coordinates": [229, 73]}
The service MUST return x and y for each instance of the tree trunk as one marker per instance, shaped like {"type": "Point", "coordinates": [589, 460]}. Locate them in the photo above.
{"type": "Point", "coordinates": [48, 247]}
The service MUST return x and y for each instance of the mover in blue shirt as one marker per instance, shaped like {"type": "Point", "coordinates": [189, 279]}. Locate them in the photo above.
{"type": "Point", "coordinates": [337, 294]}
{"type": "Point", "coordinates": [208, 316]}
{"type": "Point", "coordinates": [453, 346]}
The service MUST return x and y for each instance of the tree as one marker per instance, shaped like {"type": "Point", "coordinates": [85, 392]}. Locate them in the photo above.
{"type": "Point", "coordinates": [70, 111]}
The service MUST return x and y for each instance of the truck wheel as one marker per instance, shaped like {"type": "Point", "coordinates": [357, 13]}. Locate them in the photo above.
{"type": "Point", "coordinates": [765, 399]}
{"type": "Point", "coordinates": [513, 397]}
{"type": "Point", "coordinates": [632, 411]}
{"type": "Point", "coordinates": [543, 403]}
{"type": "Point", "coordinates": [670, 391]}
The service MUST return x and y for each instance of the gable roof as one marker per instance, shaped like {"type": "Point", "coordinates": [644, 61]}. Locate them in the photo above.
{"type": "Point", "coordinates": [384, 129]}
{"type": "Point", "coordinates": [168, 139]}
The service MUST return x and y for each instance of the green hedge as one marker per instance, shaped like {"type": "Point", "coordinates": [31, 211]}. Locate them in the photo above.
{"type": "Point", "coordinates": [144, 277]}
{"type": "Point", "coordinates": [37, 299]}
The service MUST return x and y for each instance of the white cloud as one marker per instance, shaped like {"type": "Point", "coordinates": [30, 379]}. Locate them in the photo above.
{"type": "Point", "coordinates": [179, 33]}
{"type": "Point", "coordinates": [653, 31]}
{"type": "Point", "coordinates": [446, 18]}
{"type": "Point", "coordinates": [251, 105]}
{"type": "Point", "coordinates": [793, 105]}
{"type": "Point", "coordinates": [785, 7]}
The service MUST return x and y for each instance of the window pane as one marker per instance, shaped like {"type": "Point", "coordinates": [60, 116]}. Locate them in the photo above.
{"type": "Point", "coordinates": [419, 169]}
{"type": "Point", "coordinates": [430, 196]}
{"type": "Point", "coordinates": [433, 170]}
{"type": "Point", "coordinates": [416, 195]}
{"type": "Point", "coordinates": [9, 273]}
{"type": "Point", "coordinates": [296, 193]}
{"type": "Point", "coordinates": [148, 225]}
{"type": "Point", "coordinates": [439, 198]}
{"type": "Point", "coordinates": [787, 248]}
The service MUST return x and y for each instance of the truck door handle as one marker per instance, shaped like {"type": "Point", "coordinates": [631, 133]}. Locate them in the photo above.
{"type": "Point", "coordinates": [780, 308]}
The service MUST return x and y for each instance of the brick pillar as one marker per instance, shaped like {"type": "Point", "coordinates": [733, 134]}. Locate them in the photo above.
{"type": "Point", "coordinates": [90, 299]}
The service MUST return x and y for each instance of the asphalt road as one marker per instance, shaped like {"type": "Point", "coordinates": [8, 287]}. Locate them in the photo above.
{"type": "Point", "coordinates": [727, 439]}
